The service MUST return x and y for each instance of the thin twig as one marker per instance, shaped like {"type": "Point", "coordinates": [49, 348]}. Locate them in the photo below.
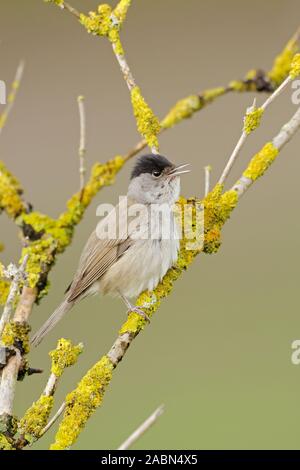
{"type": "Point", "coordinates": [276, 93]}
{"type": "Point", "coordinates": [207, 171]}
{"type": "Point", "coordinates": [71, 9]}
{"type": "Point", "coordinates": [127, 335]}
{"type": "Point", "coordinates": [13, 93]}
{"type": "Point", "coordinates": [53, 419]}
{"type": "Point", "coordinates": [142, 429]}
{"type": "Point", "coordinates": [279, 141]}
{"type": "Point", "coordinates": [82, 141]}
{"type": "Point", "coordinates": [236, 150]}
{"type": "Point", "coordinates": [9, 306]}
{"type": "Point", "coordinates": [244, 134]}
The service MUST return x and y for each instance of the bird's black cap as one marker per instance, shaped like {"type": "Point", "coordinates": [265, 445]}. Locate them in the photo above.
{"type": "Point", "coordinates": [150, 163]}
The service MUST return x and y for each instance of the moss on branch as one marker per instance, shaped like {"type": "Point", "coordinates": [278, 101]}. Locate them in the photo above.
{"type": "Point", "coordinates": [295, 67]}
{"type": "Point", "coordinates": [252, 120]}
{"type": "Point", "coordinates": [261, 162]}
{"type": "Point", "coordinates": [282, 63]}
{"type": "Point", "coordinates": [10, 193]}
{"type": "Point", "coordinates": [36, 417]}
{"type": "Point", "coordinates": [88, 395]}
{"type": "Point", "coordinates": [82, 402]}
{"type": "Point", "coordinates": [147, 123]}
{"type": "Point", "coordinates": [65, 355]}
{"type": "Point", "coordinates": [16, 334]}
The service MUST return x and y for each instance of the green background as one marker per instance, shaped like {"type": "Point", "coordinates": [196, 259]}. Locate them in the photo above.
{"type": "Point", "coordinates": [218, 352]}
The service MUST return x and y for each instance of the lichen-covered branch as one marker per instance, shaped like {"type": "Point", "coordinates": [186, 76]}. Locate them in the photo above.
{"type": "Point", "coordinates": [218, 206]}
{"type": "Point", "coordinates": [18, 276]}
{"type": "Point", "coordinates": [47, 237]}
{"type": "Point", "coordinates": [266, 156]}
{"type": "Point", "coordinates": [254, 115]}
{"type": "Point", "coordinates": [31, 426]}
{"type": "Point", "coordinates": [107, 22]}
{"type": "Point", "coordinates": [36, 417]}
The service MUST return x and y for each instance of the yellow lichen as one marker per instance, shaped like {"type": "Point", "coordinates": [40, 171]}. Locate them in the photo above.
{"type": "Point", "coordinates": [5, 443]}
{"type": "Point", "coordinates": [4, 290]}
{"type": "Point", "coordinates": [183, 109]}
{"type": "Point", "coordinates": [65, 355]}
{"type": "Point", "coordinates": [36, 418]}
{"type": "Point", "coordinates": [261, 161]}
{"type": "Point", "coordinates": [295, 67]}
{"type": "Point", "coordinates": [106, 22]}
{"type": "Point", "coordinates": [147, 123]}
{"type": "Point", "coordinates": [237, 85]}
{"type": "Point", "coordinates": [82, 402]}
{"type": "Point", "coordinates": [60, 3]}
{"type": "Point", "coordinates": [251, 74]}
{"type": "Point", "coordinates": [282, 64]}
{"type": "Point", "coordinates": [100, 22]}
{"type": "Point", "coordinates": [252, 120]}
{"type": "Point", "coordinates": [217, 209]}
{"type": "Point", "coordinates": [10, 193]}
{"type": "Point", "coordinates": [16, 334]}
{"type": "Point", "coordinates": [121, 9]}
{"type": "Point", "coordinates": [210, 95]}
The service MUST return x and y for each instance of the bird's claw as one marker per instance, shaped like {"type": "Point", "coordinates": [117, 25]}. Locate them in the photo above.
{"type": "Point", "coordinates": [139, 311]}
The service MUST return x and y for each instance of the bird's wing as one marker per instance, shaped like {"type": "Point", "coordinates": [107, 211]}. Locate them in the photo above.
{"type": "Point", "coordinates": [100, 254]}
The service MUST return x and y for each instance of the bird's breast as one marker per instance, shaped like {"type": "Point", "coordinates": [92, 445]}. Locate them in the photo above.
{"type": "Point", "coordinates": [144, 264]}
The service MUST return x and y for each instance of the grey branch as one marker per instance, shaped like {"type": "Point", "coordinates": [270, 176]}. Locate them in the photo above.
{"type": "Point", "coordinates": [9, 306]}
{"type": "Point", "coordinates": [142, 429]}
{"type": "Point", "coordinates": [279, 141]}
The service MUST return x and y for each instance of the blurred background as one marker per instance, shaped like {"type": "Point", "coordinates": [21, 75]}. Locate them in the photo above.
{"type": "Point", "coordinates": [218, 352]}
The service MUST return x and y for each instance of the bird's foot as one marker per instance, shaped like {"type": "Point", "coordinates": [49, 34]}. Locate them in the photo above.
{"type": "Point", "coordinates": [139, 311]}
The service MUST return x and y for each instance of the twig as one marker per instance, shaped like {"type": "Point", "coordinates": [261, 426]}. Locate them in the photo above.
{"type": "Point", "coordinates": [82, 141]}
{"type": "Point", "coordinates": [8, 385]}
{"type": "Point", "coordinates": [207, 171]}
{"type": "Point", "coordinates": [276, 93]}
{"type": "Point", "coordinates": [279, 141]}
{"type": "Point", "coordinates": [10, 372]}
{"type": "Point", "coordinates": [71, 9]}
{"type": "Point", "coordinates": [53, 419]}
{"type": "Point", "coordinates": [9, 306]}
{"type": "Point", "coordinates": [142, 429]}
{"type": "Point", "coordinates": [13, 93]}
{"type": "Point", "coordinates": [245, 134]}
{"type": "Point", "coordinates": [99, 376]}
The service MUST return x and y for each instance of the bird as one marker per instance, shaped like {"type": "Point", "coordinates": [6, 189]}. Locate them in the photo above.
{"type": "Point", "coordinates": [126, 255]}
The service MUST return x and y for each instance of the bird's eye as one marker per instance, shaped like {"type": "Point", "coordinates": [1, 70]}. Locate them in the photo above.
{"type": "Point", "coordinates": [156, 173]}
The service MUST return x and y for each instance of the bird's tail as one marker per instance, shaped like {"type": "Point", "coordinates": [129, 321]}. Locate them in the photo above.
{"type": "Point", "coordinates": [56, 316]}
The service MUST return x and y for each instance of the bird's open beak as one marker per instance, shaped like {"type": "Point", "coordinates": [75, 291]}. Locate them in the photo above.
{"type": "Point", "coordinates": [178, 170]}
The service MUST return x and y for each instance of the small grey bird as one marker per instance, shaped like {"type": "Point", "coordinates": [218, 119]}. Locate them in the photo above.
{"type": "Point", "coordinates": [133, 260]}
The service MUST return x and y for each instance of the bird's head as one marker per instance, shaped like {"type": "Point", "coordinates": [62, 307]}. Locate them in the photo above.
{"type": "Point", "coordinates": [155, 180]}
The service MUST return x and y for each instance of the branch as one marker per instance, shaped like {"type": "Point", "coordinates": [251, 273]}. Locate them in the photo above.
{"type": "Point", "coordinates": [135, 436]}
{"type": "Point", "coordinates": [18, 276]}
{"type": "Point", "coordinates": [218, 206]}
{"type": "Point", "coordinates": [207, 171]}
{"type": "Point", "coordinates": [53, 420]}
{"type": "Point", "coordinates": [82, 142]}
{"type": "Point", "coordinates": [32, 426]}
{"type": "Point", "coordinates": [265, 157]}
{"type": "Point", "coordinates": [12, 96]}
{"type": "Point", "coordinates": [253, 118]}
